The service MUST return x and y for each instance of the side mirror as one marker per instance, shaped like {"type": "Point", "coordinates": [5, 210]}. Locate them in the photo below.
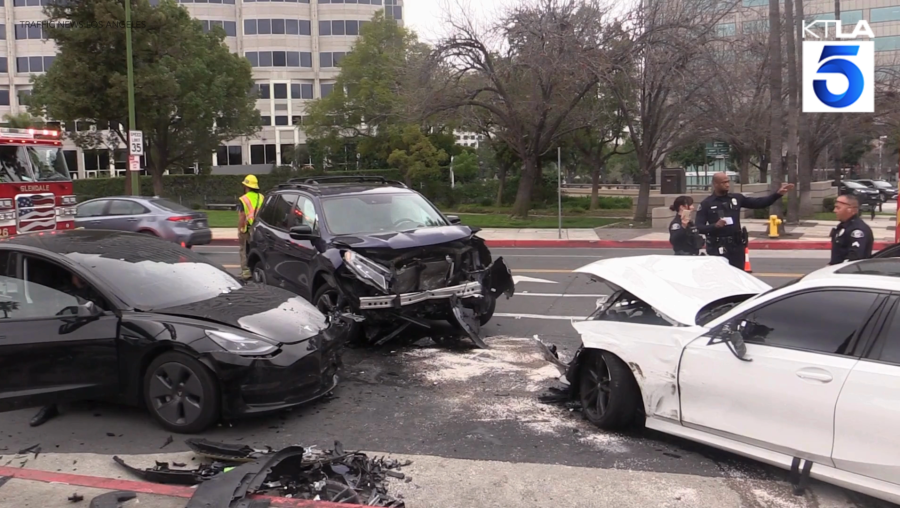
{"type": "Point", "coordinates": [302, 232]}
{"type": "Point", "coordinates": [454, 219]}
{"type": "Point", "coordinates": [736, 339]}
{"type": "Point", "coordinates": [88, 310]}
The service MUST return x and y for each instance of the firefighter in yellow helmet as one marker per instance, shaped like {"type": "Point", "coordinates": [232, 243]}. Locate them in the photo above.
{"type": "Point", "coordinates": [248, 206]}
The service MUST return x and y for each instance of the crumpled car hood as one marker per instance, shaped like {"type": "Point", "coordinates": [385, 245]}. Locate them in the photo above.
{"type": "Point", "coordinates": [421, 237]}
{"type": "Point", "coordinates": [264, 310]}
{"type": "Point", "coordinates": [677, 286]}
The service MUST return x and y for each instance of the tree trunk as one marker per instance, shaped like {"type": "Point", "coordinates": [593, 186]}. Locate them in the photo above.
{"type": "Point", "coordinates": [793, 214]}
{"type": "Point", "coordinates": [526, 187]}
{"type": "Point", "coordinates": [595, 187]}
{"type": "Point", "coordinates": [641, 212]}
{"type": "Point", "coordinates": [838, 146]}
{"type": "Point", "coordinates": [745, 168]}
{"type": "Point", "coordinates": [501, 177]}
{"type": "Point", "coordinates": [128, 191]}
{"type": "Point", "coordinates": [805, 162]}
{"type": "Point", "coordinates": [776, 108]}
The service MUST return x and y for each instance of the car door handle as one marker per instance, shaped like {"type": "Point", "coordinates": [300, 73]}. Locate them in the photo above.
{"type": "Point", "coordinates": [815, 374]}
{"type": "Point", "coordinates": [132, 220]}
{"type": "Point", "coordinates": [95, 222]}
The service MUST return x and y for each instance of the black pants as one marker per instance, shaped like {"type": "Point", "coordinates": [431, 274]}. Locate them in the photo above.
{"type": "Point", "coordinates": [734, 253]}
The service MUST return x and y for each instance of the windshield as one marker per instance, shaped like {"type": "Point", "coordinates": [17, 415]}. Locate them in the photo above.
{"type": "Point", "coordinates": [159, 277]}
{"type": "Point", "coordinates": [881, 184]}
{"type": "Point", "coordinates": [854, 185]}
{"type": "Point", "coordinates": [379, 213]}
{"type": "Point", "coordinates": [32, 164]}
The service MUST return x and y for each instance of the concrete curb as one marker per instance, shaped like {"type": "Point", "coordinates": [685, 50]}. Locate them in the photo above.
{"type": "Point", "coordinates": [630, 244]}
{"type": "Point", "coordinates": [140, 487]}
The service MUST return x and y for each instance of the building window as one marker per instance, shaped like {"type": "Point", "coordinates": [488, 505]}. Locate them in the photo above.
{"type": "Point", "coordinates": [280, 90]}
{"type": "Point", "coordinates": [288, 1]}
{"type": "Point", "coordinates": [2, 31]}
{"type": "Point", "coordinates": [851, 17]}
{"type": "Point", "coordinates": [755, 26]}
{"type": "Point", "coordinates": [249, 27]}
{"type": "Point", "coordinates": [306, 59]}
{"type": "Point", "coordinates": [265, 120]}
{"type": "Point", "coordinates": [230, 27]}
{"type": "Point", "coordinates": [338, 56]}
{"type": "Point", "coordinates": [4, 97]}
{"type": "Point", "coordinates": [337, 27]}
{"type": "Point", "coordinates": [887, 43]}
{"type": "Point", "coordinates": [229, 156]}
{"type": "Point", "coordinates": [324, 27]}
{"type": "Point", "coordinates": [326, 60]}
{"type": "Point", "coordinates": [327, 89]}
{"type": "Point", "coordinates": [277, 58]}
{"type": "Point", "coordinates": [755, 3]}
{"type": "Point", "coordinates": [305, 27]}
{"type": "Point", "coordinates": [395, 12]}
{"type": "Point", "coordinates": [301, 91]}
{"type": "Point", "coordinates": [725, 29]}
{"type": "Point", "coordinates": [262, 154]}
{"type": "Point", "coordinates": [281, 120]}
{"type": "Point", "coordinates": [297, 120]}
{"type": "Point", "coordinates": [263, 90]}
{"type": "Point", "coordinates": [4, 65]}
{"type": "Point", "coordinates": [883, 14]}
{"type": "Point", "coordinates": [352, 27]}
{"type": "Point", "coordinates": [29, 30]}
{"type": "Point", "coordinates": [71, 157]}
{"type": "Point", "coordinates": [287, 154]}
{"type": "Point", "coordinates": [33, 64]}
{"type": "Point", "coordinates": [276, 27]}
{"type": "Point", "coordinates": [22, 96]}
{"type": "Point", "coordinates": [292, 26]}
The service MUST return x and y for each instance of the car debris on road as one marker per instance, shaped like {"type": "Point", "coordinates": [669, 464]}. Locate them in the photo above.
{"type": "Point", "coordinates": [239, 471]}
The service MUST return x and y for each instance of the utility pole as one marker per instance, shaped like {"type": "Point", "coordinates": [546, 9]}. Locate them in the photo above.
{"type": "Point", "coordinates": [134, 155]}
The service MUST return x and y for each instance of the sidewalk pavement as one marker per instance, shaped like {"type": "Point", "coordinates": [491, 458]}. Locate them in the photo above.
{"type": "Point", "coordinates": [813, 234]}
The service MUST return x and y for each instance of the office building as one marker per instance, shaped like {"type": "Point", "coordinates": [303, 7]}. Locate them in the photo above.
{"type": "Point", "coordinates": [294, 46]}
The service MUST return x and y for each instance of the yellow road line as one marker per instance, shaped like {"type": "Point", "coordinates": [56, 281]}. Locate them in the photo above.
{"type": "Point", "coordinates": [539, 270]}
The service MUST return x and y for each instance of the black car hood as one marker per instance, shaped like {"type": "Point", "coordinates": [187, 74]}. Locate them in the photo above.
{"type": "Point", "coordinates": [264, 310]}
{"type": "Point", "coordinates": [422, 237]}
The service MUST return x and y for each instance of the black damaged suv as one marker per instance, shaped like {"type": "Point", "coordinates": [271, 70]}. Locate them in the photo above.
{"type": "Point", "coordinates": [378, 251]}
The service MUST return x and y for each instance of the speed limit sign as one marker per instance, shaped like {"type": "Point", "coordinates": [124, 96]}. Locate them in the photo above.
{"type": "Point", "coordinates": [136, 140]}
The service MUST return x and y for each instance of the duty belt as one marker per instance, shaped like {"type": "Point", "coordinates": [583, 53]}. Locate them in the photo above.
{"type": "Point", "coordinates": [724, 240]}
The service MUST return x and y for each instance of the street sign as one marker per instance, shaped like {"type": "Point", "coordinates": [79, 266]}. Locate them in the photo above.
{"type": "Point", "coordinates": [136, 140]}
{"type": "Point", "coordinates": [134, 162]}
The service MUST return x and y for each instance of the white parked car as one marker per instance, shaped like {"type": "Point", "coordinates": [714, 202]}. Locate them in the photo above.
{"type": "Point", "coordinates": [805, 377]}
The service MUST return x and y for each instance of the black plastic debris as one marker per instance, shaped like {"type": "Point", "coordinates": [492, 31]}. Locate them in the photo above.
{"type": "Point", "coordinates": [161, 473]}
{"type": "Point", "coordinates": [468, 321]}
{"type": "Point", "coordinates": [30, 449]}
{"type": "Point", "coordinates": [169, 441]}
{"type": "Point", "coordinates": [336, 475]}
{"type": "Point", "coordinates": [76, 498]}
{"type": "Point", "coordinates": [112, 499]}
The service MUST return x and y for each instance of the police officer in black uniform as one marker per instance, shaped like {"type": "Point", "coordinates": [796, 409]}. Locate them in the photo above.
{"type": "Point", "coordinates": [852, 239]}
{"type": "Point", "coordinates": [719, 218]}
{"type": "Point", "coordinates": [683, 235]}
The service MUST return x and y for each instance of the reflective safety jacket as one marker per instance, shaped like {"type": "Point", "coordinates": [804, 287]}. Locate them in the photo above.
{"type": "Point", "coordinates": [250, 202]}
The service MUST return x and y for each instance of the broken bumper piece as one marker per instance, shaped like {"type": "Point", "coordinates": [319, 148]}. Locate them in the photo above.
{"type": "Point", "coordinates": [467, 290]}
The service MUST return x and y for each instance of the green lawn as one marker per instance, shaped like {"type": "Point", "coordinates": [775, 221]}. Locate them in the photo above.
{"type": "Point", "coordinates": [228, 219]}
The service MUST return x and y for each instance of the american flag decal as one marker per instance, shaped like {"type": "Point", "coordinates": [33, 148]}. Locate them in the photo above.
{"type": "Point", "coordinates": [37, 212]}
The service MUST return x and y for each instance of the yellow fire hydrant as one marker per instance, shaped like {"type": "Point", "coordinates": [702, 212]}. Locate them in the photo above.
{"type": "Point", "coordinates": [774, 222]}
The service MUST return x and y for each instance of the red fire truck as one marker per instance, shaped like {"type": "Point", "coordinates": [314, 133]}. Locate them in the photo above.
{"type": "Point", "coordinates": [35, 186]}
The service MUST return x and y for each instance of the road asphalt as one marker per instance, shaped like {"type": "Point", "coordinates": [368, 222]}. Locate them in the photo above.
{"type": "Point", "coordinates": [470, 417]}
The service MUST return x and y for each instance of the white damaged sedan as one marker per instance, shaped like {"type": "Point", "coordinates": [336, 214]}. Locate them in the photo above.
{"type": "Point", "coordinates": [805, 377]}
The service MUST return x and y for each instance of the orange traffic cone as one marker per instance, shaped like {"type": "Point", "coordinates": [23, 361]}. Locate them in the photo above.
{"type": "Point", "coordinates": [747, 260]}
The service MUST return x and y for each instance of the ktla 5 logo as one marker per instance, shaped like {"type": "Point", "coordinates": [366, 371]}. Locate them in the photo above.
{"type": "Point", "coordinates": [847, 67]}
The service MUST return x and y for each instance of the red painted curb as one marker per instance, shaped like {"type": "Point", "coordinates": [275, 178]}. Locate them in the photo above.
{"type": "Point", "coordinates": [158, 489]}
{"type": "Point", "coordinates": [634, 244]}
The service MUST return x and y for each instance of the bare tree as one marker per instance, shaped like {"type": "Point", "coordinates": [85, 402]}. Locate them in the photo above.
{"type": "Point", "coordinates": [657, 92]}
{"type": "Point", "coordinates": [804, 162]}
{"type": "Point", "coordinates": [527, 71]}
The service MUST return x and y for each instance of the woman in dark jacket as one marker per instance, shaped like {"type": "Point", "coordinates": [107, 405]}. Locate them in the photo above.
{"type": "Point", "coordinates": [683, 234]}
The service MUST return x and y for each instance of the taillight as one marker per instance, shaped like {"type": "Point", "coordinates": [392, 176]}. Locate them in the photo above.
{"type": "Point", "coordinates": [180, 219]}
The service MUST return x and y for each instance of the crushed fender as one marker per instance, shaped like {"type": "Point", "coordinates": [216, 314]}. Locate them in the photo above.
{"type": "Point", "coordinates": [468, 321]}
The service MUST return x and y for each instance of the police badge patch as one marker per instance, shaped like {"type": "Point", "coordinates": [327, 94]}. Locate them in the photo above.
{"type": "Point", "coordinates": [676, 226]}
{"type": "Point", "coordinates": [857, 234]}
{"type": "Point", "coordinates": [734, 201]}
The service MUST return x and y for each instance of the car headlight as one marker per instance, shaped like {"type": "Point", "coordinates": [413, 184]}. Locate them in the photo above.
{"type": "Point", "coordinates": [241, 344]}
{"type": "Point", "coordinates": [367, 270]}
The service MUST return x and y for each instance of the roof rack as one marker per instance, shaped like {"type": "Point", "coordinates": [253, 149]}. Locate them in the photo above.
{"type": "Point", "coordinates": [349, 178]}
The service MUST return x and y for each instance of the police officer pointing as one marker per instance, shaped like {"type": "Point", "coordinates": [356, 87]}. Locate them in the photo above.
{"type": "Point", "coordinates": [852, 239]}
{"type": "Point", "coordinates": [719, 218]}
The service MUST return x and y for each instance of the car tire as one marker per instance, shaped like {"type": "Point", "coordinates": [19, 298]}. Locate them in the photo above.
{"type": "Point", "coordinates": [147, 232]}
{"type": "Point", "coordinates": [492, 306]}
{"type": "Point", "coordinates": [604, 373]}
{"type": "Point", "coordinates": [259, 273]}
{"type": "Point", "coordinates": [327, 289]}
{"type": "Point", "coordinates": [181, 393]}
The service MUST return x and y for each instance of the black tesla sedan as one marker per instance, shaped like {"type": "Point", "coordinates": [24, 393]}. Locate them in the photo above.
{"type": "Point", "coordinates": [89, 314]}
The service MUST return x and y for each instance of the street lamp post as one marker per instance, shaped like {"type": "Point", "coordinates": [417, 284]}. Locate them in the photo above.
{"type": "Point", "coordinates": [135, 175]}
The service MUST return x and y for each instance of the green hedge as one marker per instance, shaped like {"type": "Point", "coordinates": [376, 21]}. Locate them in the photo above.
{"type": "Point", "coordinates": [197, 191]}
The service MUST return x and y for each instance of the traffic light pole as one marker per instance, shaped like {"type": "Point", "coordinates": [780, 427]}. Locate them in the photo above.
{"type": "Point", "coordinates": [134, 175]}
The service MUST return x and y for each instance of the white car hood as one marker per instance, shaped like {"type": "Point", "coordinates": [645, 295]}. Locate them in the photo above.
{"type": "Point", "coordinates": [677, 286]}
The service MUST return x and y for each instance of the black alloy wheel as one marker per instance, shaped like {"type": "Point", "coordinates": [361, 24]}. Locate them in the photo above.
{"type": "Point", "coordinates": [181, 393]}
{"type": "Point", "coordinates": [609, 394]}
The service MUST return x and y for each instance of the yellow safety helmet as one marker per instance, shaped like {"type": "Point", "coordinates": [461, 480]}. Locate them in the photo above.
{"type": "Point", "coordinates": [251, 182]}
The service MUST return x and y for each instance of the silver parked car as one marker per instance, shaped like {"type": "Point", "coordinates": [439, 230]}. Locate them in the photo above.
{"type": "Point", "coordinates": [153, 216]}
